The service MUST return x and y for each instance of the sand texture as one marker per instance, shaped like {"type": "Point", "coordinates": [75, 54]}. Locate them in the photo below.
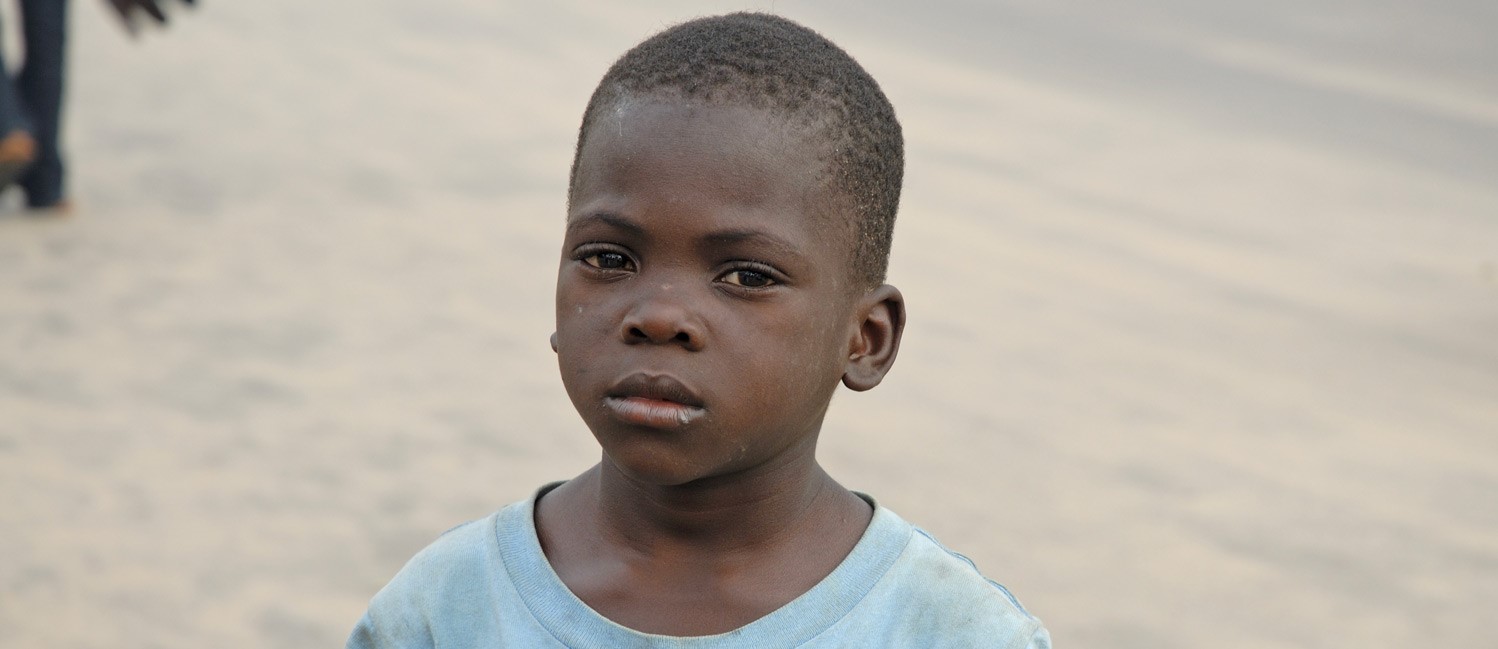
{"type": "Point", "coordinates": [1203, 342]}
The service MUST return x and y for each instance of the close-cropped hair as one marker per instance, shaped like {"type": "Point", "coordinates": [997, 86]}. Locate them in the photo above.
{"type": "Point", "coordinates": [776, 65]}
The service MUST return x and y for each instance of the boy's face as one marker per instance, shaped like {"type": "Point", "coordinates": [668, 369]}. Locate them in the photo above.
{"type": "Point", "coordinates": [704, 309]}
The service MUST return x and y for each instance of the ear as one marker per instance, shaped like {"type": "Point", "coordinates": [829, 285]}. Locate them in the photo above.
{"type": "Point", "coordinates": [872, 349]}
{"type": "Point", "coordinates": [553, 341]}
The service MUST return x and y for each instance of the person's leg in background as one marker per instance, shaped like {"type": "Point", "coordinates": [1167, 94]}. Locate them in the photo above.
{"type": "Point", "coordinates": [17, 148]}
{"type": "Point", "coordinates": [40, 88]}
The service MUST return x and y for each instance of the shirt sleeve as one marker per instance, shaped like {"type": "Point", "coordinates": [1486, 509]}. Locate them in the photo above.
{"type": "Point", "coordinates": [1041, 640]}
{"type": "Point", "coordinates": [379, 632]}
{"type": "Point", "coordinates": [364, 635]}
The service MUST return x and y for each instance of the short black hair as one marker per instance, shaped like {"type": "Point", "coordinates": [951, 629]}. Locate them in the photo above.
{"type": "Point", "coordinates": [775, 64]}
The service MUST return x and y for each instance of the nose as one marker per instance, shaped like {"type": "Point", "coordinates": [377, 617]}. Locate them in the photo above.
{"type": "Point", "coordinates": [663, 317]}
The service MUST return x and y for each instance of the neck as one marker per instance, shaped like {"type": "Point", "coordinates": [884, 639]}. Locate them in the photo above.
{"type": "Point", "coordinates": [740, 511]}
{"type": "Point", "coordinates": [721, 552]}
{"type": "Point", "coordinates": [717, 514]}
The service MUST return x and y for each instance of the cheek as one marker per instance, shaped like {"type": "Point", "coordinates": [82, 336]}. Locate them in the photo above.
{"type": "Point", "coordinates": [567, 298]}
{"type": "Point", "coordinates": [578, 311]}
{"type": "Point", "coordinates": [578, 326]}
{"type": "Point", "coordinates": [812, 362]}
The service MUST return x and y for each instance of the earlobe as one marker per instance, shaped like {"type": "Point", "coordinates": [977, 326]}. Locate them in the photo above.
{"type": "Point", "coordinates": [876, 341]}
{"type": "Point", "coordinates": [553, 341]}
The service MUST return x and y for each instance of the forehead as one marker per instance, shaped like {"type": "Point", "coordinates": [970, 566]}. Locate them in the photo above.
{"type": "Point", "coordinates": [740, 153]}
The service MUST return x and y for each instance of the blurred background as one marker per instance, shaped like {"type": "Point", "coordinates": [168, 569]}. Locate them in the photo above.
{"type": "Point", "coordinates": [1203, 342]}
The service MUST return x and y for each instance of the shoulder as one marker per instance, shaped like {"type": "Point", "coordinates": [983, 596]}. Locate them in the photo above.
{"type": "Point", "coordinates": [926, 561]}
{"type": "Point", "coordinates": [447, 576]}
{"type": "Point", "coordinates": [455, 559]}
{"type": "Point", "coordinates": [931, 592]}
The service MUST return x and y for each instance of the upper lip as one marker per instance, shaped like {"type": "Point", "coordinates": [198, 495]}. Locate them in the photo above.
{"type": "Point", "coordinates": [655, 386]}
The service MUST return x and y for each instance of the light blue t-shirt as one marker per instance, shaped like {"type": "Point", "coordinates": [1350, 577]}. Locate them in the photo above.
{"type": "Point", "coordinates": [486, 584]}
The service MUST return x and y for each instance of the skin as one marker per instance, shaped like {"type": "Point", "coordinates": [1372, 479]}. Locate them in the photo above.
{"type": "Point", "coordinates": [126, 10]}
{"type": "Point", "coordinates": [706, 312]}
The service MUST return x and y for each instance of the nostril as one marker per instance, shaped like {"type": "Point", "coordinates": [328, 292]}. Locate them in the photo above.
{"type": "Point", "coordinates": [682, 337]}
{"type": "Point", "coordinates": [634, 332]}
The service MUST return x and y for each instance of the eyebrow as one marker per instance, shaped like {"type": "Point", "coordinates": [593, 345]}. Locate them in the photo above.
{"type": "Point", "coordinates": [607, 218]}
{"type": "Point", "coordinates": [710, 240]}
{"type": "Point", "coordinates": [731, 237]}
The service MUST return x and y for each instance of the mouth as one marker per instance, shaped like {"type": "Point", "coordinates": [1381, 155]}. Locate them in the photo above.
{"type": "Point", "coordinates": [654, 401]}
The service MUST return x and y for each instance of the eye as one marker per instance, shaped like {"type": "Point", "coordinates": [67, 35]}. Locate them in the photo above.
{"type": "Point", "coordinates": [748, 278]}
{"type": "Point", "coordinates": [608, 260]}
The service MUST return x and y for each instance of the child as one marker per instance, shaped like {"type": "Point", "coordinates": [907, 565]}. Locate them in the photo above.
{"type": "Point", "coordinates": [729, 221]}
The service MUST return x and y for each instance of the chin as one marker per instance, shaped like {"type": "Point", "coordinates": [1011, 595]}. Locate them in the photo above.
{"type": "Point", "coordinates": [655, 468]}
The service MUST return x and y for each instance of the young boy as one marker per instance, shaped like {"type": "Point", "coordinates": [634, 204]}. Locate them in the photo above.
{"type": "Point", "coordinates": [729, 219]}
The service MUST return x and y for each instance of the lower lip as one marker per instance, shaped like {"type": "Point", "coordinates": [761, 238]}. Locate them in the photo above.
{"type": "Point", "coordinates": [653, 413]}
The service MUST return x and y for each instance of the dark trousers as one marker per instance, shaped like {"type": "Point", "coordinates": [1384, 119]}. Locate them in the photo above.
{"type": "Point", "coordinates": [32, 100]}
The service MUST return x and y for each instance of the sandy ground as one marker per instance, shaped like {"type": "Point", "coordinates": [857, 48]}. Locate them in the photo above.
{"type": "Point", "coordinates": [1204, 313]}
